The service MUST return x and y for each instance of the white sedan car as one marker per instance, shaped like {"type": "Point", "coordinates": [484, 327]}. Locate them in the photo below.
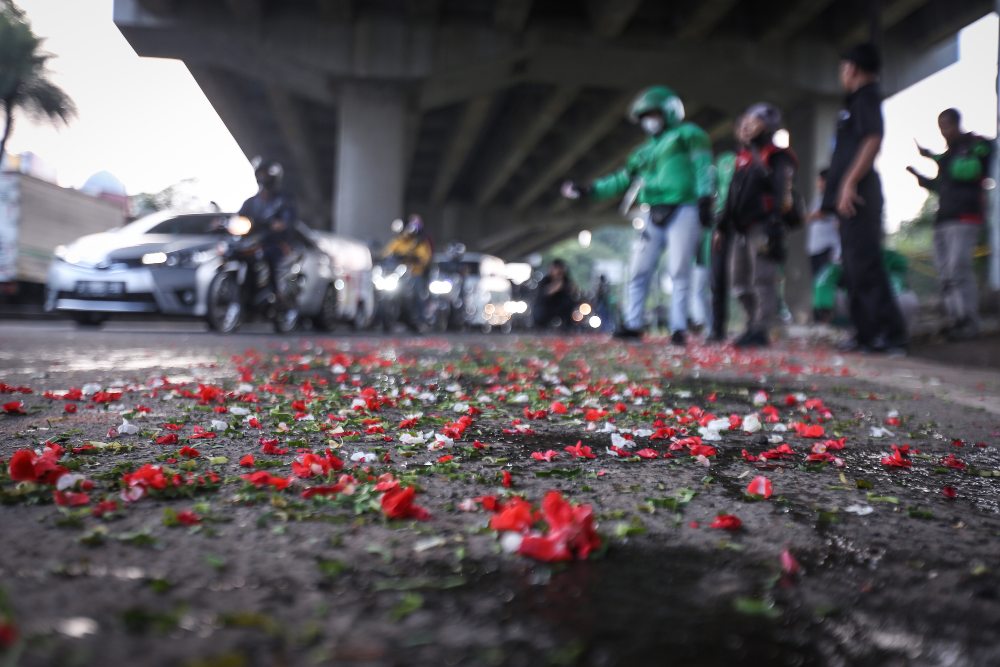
{"type": "Point", "coordinates": [162, 264]}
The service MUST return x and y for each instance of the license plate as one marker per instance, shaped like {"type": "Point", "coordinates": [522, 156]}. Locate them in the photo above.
{"type": "Point", "coordinates": [99, 288]}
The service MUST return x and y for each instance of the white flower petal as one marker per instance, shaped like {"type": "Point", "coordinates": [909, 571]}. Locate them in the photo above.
{"type": "Point", "coordinates": [68, 481]}
{"type": "Point", "coordinates": [510, 541]}
{"type": "Point", "coordinates": [128, 428]}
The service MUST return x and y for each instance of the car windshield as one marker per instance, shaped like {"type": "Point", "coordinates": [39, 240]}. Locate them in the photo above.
{"type": "Point", "coordinates": [179, 225]}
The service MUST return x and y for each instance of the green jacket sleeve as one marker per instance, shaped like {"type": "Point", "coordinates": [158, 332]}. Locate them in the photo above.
{"type": "Point", "coordinates": [613, 185]}
{"type": "Point", "coordinates": [700, 149]}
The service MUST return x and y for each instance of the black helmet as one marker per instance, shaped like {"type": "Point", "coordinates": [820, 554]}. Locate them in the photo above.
{"type": "Point", "coordinates": [768, 114]}
{"type": "Point", "coordinates": [268, 172]}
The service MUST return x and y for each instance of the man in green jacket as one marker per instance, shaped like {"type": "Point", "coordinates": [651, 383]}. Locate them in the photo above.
{"type": "Point", "coordinates": [962, 172]}
{"type": "Point", "coordinates": [672, 174]}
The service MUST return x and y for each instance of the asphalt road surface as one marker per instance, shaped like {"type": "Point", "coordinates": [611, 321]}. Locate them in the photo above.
{"type": "Point", "coordinates": [196, 499]}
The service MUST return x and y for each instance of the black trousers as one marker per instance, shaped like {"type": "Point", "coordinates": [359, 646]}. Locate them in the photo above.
{"type": "Point", "coordinates": [819, 261]}
{"type": "Point", "coordinates": [872, 306]}
{"type": "Point", "coordinates": [720, 285]}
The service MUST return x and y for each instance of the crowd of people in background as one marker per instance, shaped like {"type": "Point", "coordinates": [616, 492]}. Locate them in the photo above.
{"type": "Point", "coordinates": [722, 226]}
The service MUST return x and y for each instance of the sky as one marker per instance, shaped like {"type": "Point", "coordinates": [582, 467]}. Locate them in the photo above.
{"type": "Point", "coordinates": [143, 119]}
{"type": "Point", "coordinates": [147, 121]}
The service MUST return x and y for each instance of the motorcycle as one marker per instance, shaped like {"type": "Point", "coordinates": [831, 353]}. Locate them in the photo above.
{"type": "Point", "coordinates": [241, 288]}
{"type": "Point", "coordinates": [398, 298]}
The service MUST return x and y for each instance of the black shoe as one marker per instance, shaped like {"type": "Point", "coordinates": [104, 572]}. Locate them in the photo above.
{"type": "Point", "coordinates": [752, 339]}
{"type": "Point", "coordinates": [716, 338]}
{"type": "Point", "coordinates": [741, 340]}
{"type": "Point", "coordinates": [627, 334]}
{"type": "Point", "coordinates": [678, 338]}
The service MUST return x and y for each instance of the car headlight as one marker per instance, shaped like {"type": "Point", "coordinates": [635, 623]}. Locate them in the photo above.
{"type": "Point", "coordinates": [189, 258]}
{"type": "Point", "coordinates": [67, 254]}
{"type": "Point", "coordinates": [154, 258]}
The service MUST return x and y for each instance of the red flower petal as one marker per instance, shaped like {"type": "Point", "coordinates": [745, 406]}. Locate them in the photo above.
{"type": "Point", "coordinates": [727, 522]}
{"type": "Point", "coordinates": [759, 487]}
{"type": "Point", "coordinates": [22, 466]}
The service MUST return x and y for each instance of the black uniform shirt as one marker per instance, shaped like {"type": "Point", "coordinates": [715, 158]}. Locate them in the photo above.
{"type": "Point", "coordinates": [860, 118]}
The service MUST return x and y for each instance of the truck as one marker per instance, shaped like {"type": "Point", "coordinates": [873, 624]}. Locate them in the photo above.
{"type": "Point", "coordinates": [36, 216]}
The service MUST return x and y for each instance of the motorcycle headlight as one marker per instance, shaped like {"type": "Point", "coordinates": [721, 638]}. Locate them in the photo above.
{"type": "Point", "coordinates": [239, 225]}
{"type": "Point", "coordinates": [390, 282]}
{"type": "Point", "coordinates": [440, 287]}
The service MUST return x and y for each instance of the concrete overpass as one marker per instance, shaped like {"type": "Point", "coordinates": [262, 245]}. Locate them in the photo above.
{"type": "Point", "coordinates": [472, 111]}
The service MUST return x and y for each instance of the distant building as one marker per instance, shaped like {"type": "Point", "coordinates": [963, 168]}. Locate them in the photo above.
{"type": "Point", "coordinates": [29, 164]}
{"type": "Point", "coordinates": [105, 185]}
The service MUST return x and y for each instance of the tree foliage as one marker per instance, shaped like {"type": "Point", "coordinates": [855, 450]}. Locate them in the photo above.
{"type": "Point", "coordinates": [180, 196]}
{"type": "Point", "coordinates": [24, 77]}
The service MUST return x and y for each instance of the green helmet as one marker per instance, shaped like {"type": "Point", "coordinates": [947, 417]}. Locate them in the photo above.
{"type": "Point", "coordinates": [657, 98]}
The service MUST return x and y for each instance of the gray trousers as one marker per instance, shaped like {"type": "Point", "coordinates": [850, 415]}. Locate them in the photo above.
{"type": "Point", "coordinates": [754, 279]}
{"type": "Point", "coordinates": [954, 243]}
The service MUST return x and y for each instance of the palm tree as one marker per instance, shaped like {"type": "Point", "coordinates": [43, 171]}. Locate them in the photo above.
{"type": "Point", "coordinates": [24, 82]}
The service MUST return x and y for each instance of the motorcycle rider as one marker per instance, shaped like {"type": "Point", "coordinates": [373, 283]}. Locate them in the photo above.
{"type": "Point", "coordinates": [273, 214]}
{"type": "Point", "coordinates": [413, 247]}
{"type": "Point", "coordinates": [672, 172]}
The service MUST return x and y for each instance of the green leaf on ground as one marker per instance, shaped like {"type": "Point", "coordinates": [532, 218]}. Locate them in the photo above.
{"type": "Point", "coordinates": [756, 607]}
{"type": "Point", "coordinates": [409, 603]}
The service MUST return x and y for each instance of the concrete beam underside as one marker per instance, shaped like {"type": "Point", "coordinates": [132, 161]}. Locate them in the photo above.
{"type": "Point", "coordinates": [320, 68]}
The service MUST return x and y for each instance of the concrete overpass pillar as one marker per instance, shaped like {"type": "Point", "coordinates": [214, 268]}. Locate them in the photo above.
{"type": "Point", "coordinates": [811, 130]}
{"type": "Point", "coordinates": [371, 162]}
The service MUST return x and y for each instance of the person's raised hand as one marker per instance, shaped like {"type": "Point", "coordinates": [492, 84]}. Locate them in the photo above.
{"type": "Point", "coordinates": [571, 190]}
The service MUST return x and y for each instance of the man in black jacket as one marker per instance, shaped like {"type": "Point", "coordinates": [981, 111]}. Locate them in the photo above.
{"type": "Point", "coordinates": [962, 169]}
{"type": "Point", "coordinates": [854, 193]}
{"type": "Point", "coordinates": [758, 203]}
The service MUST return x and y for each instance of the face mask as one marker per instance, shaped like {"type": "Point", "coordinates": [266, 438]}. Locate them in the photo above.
{"type": "Point", "coordinates": [651, 125]}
